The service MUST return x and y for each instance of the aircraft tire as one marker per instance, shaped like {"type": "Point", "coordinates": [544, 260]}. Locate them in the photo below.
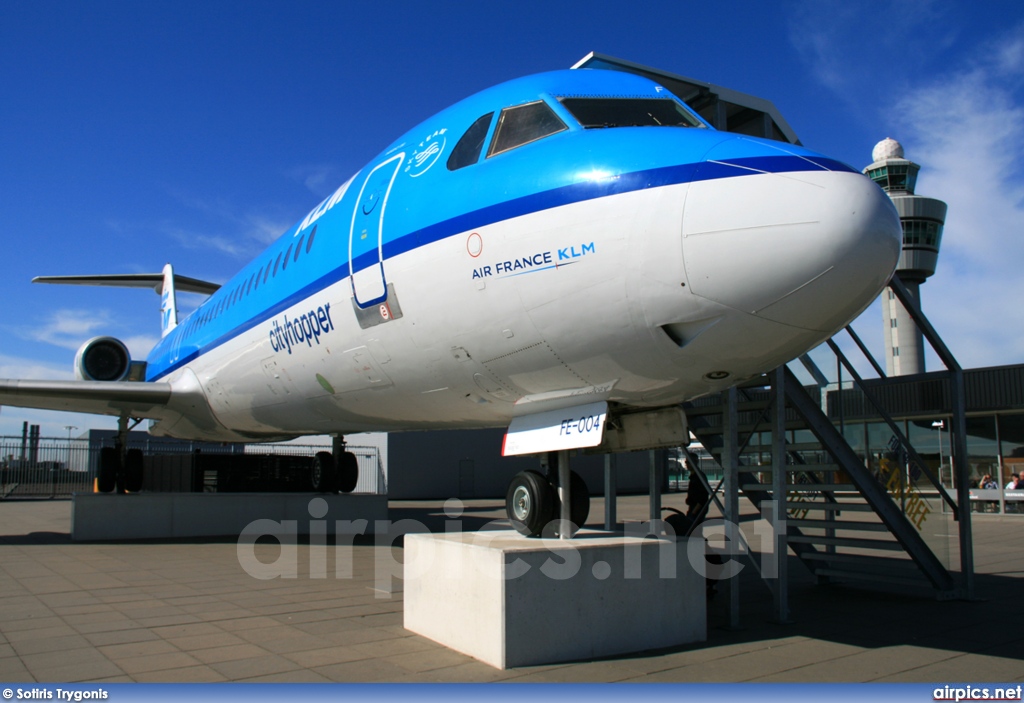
{"type": "Point", "coordinates": [579, 507]}
{"type": "Point", "coordinates": [529, 503]}
{"type": "Point", "coordinates": [133, 470]}
{"type": "Point", "coordinates": [348, 472]}
{"type": "Point", "coordinates": [323, 473]}
{"type": "Point", "coordinates": [107, 469]}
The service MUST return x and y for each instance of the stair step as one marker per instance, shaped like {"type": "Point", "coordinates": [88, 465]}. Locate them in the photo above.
{"type": "Point", "coordinates": [718, 408]}
{"type": "Point", "coordinates": [790, 468]}
{"type": "Point", "coordinates": [830, 487]}
{"type": "Point", "coordinates": [813, 468]}
{"type": "Point", "coordinates": [851, 542]}
{"type": "Point", "coordinates": [862, 562]}
{"type": "Point", "coordinates": [833, 507]}
{"type": "Point", "coordinates": [790, 447]}
{"type": "Point", "coordinates": [876, 578]}
{"type": "Point", "coordinates": [838, 525]}
{"type": "Point", "coordinates": [803, 487]}
{"type": "Point", "coordinates": [815, 505]}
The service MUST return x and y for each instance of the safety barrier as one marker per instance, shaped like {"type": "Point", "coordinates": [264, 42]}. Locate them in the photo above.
{"type": "Point", "coordinates": [57, 467]}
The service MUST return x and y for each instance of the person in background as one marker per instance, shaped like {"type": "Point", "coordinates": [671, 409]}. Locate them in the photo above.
{"type": "Point", "coordinates": [1016, 484]}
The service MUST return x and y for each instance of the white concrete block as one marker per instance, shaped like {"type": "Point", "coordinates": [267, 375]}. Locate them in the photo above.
{"type": "Point", "coordinates": [108, 516]}
{"type": "Point", "coordinates": [510, 601]}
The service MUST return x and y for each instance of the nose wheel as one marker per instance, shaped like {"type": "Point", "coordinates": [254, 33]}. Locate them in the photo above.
{"type": "Point", "coordinates": [533, 506]}
{"type": "Point", "coordinates": [530, 503]}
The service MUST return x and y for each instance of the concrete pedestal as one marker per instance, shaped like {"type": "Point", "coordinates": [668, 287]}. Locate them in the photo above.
{"type": "Point", "coordinates": [510, 601]}
{"type": "Point", "coordinates": [107, 516]}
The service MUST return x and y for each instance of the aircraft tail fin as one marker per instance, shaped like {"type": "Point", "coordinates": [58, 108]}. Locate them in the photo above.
{"type": "Point", "coordinates": [168, 302]}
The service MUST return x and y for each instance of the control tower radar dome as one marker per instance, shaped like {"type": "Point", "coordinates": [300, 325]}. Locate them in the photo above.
{"type": "Point", "coordinates": [888, 148]}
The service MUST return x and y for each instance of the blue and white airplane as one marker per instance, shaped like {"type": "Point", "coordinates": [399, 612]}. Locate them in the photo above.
{"type": "Point", "coordinates": [569, 255]}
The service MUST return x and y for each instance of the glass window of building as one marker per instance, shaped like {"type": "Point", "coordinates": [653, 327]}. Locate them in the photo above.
{"type": "Point", "coordinates": [982, 449]}
{"type": "Point", "coordinates": [1011, 440]}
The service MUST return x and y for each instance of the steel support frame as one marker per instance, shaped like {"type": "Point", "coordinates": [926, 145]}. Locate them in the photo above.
{"type": "Point", "coordinates": [731, 466]}
{"type": "Point", "coordinates": [958, 398]}
{"type": "Point", "coordinates": [610, 492]}
{"type": "Point", "coordinates": [890, 514]}
{"type": "Point", "coordinates": [779, 509]}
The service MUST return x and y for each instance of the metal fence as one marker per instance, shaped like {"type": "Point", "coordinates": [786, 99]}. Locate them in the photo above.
{"type": "Point", "coordinates": [56, 467]}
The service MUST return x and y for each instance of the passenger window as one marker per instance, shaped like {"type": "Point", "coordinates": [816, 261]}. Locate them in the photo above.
{"type": "Point", "coordinates": [524, 124]}
{"type": "Point", "coordinates": [467, 151]}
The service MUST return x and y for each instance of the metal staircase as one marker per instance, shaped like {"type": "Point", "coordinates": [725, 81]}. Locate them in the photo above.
{"type": "Point", "coordinates": [881, 520]}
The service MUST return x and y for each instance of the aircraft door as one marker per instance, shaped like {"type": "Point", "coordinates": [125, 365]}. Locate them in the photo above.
{"type": "Point", "coordinates": [366, 234]}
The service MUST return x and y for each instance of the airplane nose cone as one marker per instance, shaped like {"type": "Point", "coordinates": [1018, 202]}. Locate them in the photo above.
{"type": "Point", "coordinates": [806, 248]}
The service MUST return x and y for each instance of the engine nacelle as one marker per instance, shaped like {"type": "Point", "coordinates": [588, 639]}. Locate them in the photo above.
{"type": "Point", "coordinates": [103, 359]}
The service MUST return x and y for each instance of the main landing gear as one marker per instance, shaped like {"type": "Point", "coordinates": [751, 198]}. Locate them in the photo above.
{"type": "Point", "coordinates": [119, 469]}
{"type": "Point", "coordinates": [336, 471]}
{"type": "Point", "coordinates": [534, 506]}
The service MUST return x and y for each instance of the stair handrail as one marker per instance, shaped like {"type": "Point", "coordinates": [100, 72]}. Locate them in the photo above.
{"type": "Point", "coordinates": [897, 432]}
{"type": "Point", "coordinates": [958, 437]}
{"type": "Point", "coordinates": [893, 517]}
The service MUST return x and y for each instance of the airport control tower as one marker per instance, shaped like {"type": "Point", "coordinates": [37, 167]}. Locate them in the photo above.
{"type": "Point", "coordinates": [922, 220]}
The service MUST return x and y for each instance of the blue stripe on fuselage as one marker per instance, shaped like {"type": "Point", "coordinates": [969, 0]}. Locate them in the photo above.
{"type": "Point", "coordinates": [517, 207]}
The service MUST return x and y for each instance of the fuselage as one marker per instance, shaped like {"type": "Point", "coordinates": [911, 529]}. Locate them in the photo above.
{"type": "Point", "coordinates": [527, 248]}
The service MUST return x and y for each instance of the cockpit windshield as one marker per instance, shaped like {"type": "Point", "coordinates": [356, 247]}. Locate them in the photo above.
{"type": "Point", "coordinates": [593, 113]}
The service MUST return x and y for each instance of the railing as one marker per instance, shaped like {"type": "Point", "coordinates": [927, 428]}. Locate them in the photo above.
{"type": "Point", "coordinates": [47, 468]}
{"type": "Point", "coordinates": [57, 467]}
{"type": "Point", "coordinates": [887, 445]}
{"type": "Point", "coordinates": [883, 447]}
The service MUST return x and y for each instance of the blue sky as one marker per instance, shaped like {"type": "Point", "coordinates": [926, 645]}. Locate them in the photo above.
{"type": "Point", "coordinates": [133, 134]}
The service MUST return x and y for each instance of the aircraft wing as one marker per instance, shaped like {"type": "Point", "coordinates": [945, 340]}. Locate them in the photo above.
{"type": "Point", "coordinates": [136, 399]}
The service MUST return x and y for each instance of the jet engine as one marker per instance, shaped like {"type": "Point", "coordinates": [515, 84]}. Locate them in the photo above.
{"type": "Point", "coordinates": [103, 359]}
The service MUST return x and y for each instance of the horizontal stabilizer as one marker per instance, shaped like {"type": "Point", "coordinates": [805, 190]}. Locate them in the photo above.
{"type": "Point", "coordinates": [134, 280]}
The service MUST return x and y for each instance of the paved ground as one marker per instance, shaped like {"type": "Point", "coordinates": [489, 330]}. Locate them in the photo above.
{"type": "Point", "coordinates": [160, 611]}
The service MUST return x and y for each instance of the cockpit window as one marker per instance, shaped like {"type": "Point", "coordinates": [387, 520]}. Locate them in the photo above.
{"type": "Point", "coordinates": [629, 112]}
{"type": "Point", "coordinates": [467, 151]}
{"type": "Point", "coordinates": [523, 124]}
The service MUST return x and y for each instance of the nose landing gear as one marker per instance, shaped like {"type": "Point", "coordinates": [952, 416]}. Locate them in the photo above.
{"type": "Point", "coordinates": [534, 507]}
{"type": "Point", "coordinates": [530, 503]}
